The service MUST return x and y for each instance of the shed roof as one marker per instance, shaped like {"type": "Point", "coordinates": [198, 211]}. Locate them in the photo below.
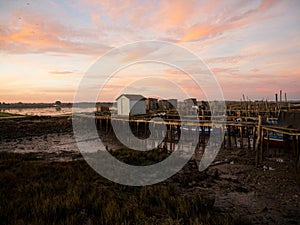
{"type": "Point", "coordinates": [132, 96]}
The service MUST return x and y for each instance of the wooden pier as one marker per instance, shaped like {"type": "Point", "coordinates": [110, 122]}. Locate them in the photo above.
{"type": "Point", "coordinates": [237, 133]}
{"type": "Point", "coordinates": [244, 126]}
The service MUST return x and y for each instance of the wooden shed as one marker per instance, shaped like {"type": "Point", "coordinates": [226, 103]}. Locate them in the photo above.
{"type": "Point", "coordinates": [131, 104]}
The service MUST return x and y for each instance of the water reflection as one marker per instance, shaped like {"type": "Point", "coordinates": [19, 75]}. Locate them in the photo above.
{"type": "Point", "coordinates": [47, 111]}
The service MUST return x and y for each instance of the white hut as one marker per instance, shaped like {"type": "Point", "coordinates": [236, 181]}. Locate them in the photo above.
{"type": "Point", "coordinates": [131, 104]}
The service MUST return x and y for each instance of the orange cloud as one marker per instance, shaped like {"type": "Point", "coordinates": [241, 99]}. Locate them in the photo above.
{"type": "Point", "coordinates": [265, 4]}
{"type": "Point", "coordinates": [137, 55]}
{"type": "Point", "coordinates": [254, 70]}
{"type": "Point", "coordinates": [225, 70]}
{"type": "Point", "coordinates": [96, 18]}
{"type": "Point", "coordinates": [60, 72]}
{"type": "Point", "coordinates": [231, 59]}
{"type": "Point", "coordinates": [164, 16]}
{"type": "Point", "coordinates": [37, 34]}
{"type": "Point", "coordinates": [175, 13]}
{"type": "Point", "coordinates": [174, 20]}
{"type": "Point", "coordinates": [201, 30]}
{"type": "Point", "coordinates": [208, 29]}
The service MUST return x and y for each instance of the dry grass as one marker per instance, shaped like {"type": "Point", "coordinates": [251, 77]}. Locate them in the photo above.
{"type": "Point", "coordinates": [39, 192]}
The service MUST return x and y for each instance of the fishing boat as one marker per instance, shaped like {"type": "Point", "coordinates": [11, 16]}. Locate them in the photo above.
{"type": "Point", "coordinates": [274, 139]}
{"type": "Point", "coordinates": [278, 140]}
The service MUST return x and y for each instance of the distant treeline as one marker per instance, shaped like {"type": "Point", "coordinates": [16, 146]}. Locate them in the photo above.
{"type": "Point", "coordinates": [19, 105]}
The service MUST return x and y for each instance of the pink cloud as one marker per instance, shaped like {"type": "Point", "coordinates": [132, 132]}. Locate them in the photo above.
{"type": "Point", "coordinates": [254, 70]}
{"type": "Point", "coordinates": [177, 21]}
{"type": "Point", "coordinates": [96, 18]}
{"type": "Point", "coordinates": [38, 34]}
{"type": "Point", "coordinates": [231, 59]}
{"type": "Point", "coordinates": [208, 29]}
{"type": "Point", "coordinates": [60, 72]}
{"type": "Point", "coordinates": [225, 70]}
{"type": "Point", "coordinates": [174, 14]}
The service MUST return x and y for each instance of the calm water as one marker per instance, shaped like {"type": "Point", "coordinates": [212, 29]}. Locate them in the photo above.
{"type": "Point", "coordinates": [49, 111]}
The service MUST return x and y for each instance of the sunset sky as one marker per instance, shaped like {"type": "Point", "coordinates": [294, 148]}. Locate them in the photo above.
{"type": "Point", "coordinates": [252, 47]}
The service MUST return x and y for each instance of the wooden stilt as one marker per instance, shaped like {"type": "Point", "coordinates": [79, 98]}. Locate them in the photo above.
{"type": "Point", "coordinates": [254, 137]}
{"type": "Point", "coordinates": [241, 137]}
{"type": "Point", "coordinates": [261, 146]}
{"type": "Point", "coordinates": [235, 138]}
{"type": "Point", "coordinates": [228, 137]}
{"type": "Point", "coordinates": [268, 137]}
{"type": "Point", "coordinates": [298, 153]}
{"type": "Point", "coordinates": [257, 158]}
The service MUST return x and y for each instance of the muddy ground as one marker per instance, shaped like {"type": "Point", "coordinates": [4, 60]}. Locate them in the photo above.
{"type": "Point", "coordinates": [267, 194]}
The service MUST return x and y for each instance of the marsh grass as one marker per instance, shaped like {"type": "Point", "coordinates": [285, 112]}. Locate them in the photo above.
{"type": "Point", "coordinates": [40, 192]}
{"type": "Point", "coordinates": [140, 158]}
{"type": "Point", "coordinates": [5, 114]}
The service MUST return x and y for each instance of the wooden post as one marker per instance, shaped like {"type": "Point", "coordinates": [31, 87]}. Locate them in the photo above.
{"type": "Point", "coordinates": [228, 137]}
{"type": "Point", "coordinates": [261, 145]}
{"type": "Point", "coordinates": [298, 153]}
{"type": "Point", "coordinates": [285, 98]}
{"type": "Point", "coordinates": [203, 134]}
{"type": "Point", "coordinates": [208, 131]}
{"type": "Point", "coordinates": [280, 94]}
{"type": "Point", "coordinates": [223, 137]}
{"type": "Point", "coordinates": [241, 137]}
{"type": "Point", "coordinates": [276, 99]}
{"type": "Point", "coordinates": [248, 136]}
{"type": "Point", "coordinates": [235, 140]}
{"type": "Point", "coordinates": [268, 144]}
{"type": "Point", "coordinates": [258, 141]}
{"type": "Point", "coordinates": [254, 137]}
{"type": "Point", "coordinates": [110, 126]}
{"type": "Point", "coordinates": [106, 125]}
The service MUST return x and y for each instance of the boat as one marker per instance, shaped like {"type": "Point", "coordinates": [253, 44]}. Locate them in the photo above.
{"type": "Point", "coordinates": [278, 140]}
